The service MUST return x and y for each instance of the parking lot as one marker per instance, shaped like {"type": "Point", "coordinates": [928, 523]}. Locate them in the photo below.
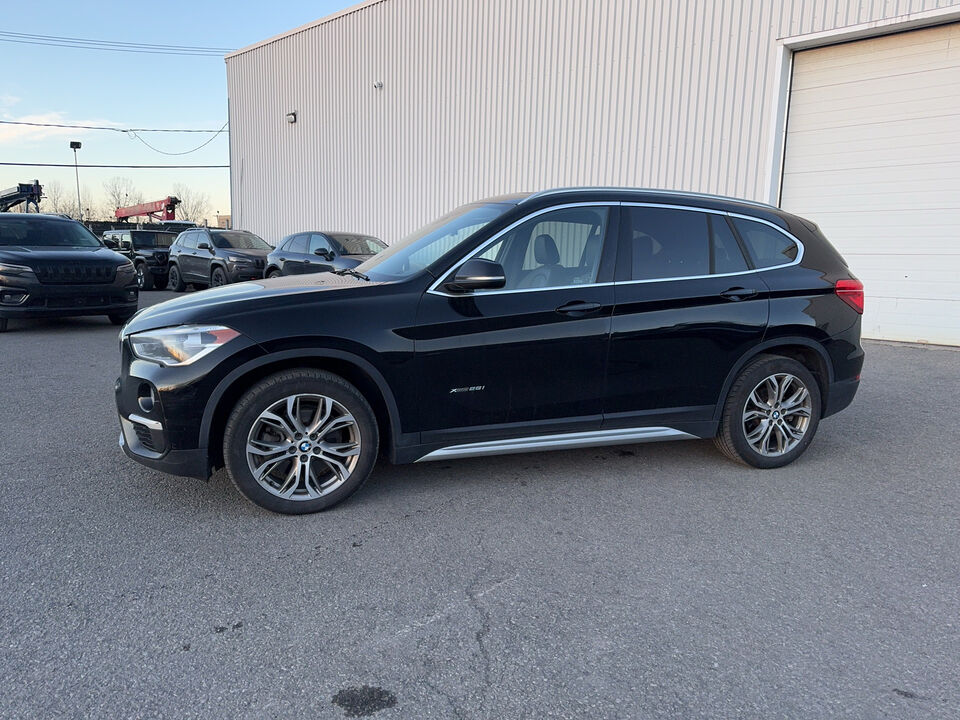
{"type": "Point", "coordinates": [649, 581]}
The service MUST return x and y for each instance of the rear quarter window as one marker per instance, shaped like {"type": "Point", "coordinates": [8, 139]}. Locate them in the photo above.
{"type": "Point", "coordinates": [767, 246]}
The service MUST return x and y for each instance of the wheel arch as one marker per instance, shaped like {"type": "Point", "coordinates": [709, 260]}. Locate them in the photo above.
{"type": "Point", "coordinates": [807, 351]}
{"type": "Point", "coordinates": [354, 369]}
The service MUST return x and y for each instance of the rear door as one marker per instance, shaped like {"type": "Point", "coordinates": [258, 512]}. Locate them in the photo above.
{"type": "Point", "coordinates": [530, 358]}
{"type": "Point", "coordinates": [688, 305]}
{"type": "Point", "coordinates": [187, 255]}
{"type": "Point", "coordinates": [295, 255]}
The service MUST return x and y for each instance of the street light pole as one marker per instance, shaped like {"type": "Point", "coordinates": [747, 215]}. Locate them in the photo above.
{"type": "Point", "coordinates": [75, 145]}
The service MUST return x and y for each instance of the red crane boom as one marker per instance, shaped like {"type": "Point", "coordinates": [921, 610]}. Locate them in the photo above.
{"type": "Point", "coordinates": [158, 209]}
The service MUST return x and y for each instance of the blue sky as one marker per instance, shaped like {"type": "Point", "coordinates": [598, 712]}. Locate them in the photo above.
{"type": "Point", "coordinates": [130, 90]}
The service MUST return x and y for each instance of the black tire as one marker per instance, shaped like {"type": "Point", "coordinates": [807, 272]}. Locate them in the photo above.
{"type": "Point", "coordinates": [144, 277]}
{"type": "Point", "coordinates": [3, 324]}
{"type": "Point", "coordinates": [274, 274]}
{"type": "Point", "coordinates": [120, 319]}
{"type": "Point", "coordinates": [732, 436]}
{"type": "Point", "coordinates": [175, 279]}
{"type": "Point", "coordinates": [218, 277]}
{"type": "Point", "coordinates": [274, 389]}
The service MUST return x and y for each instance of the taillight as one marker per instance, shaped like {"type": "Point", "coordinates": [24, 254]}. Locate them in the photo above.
{"type": "Point", "coordinates": [851, 292]}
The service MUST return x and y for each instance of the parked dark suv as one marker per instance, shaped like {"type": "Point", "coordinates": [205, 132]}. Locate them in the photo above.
{"type": "Point", "coordinates": [55, 267]}
{"type": "Point", "coordinates": [206, 256]}
{"type": "Point", "coordinates": [148, 249]}
{"type": "Point", "coordinates": [564, 319]}
{"type": "Point", "coordinates": [311, 252]}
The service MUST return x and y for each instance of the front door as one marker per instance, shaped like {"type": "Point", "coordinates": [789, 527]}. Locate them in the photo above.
{"type": "Point", "coordinates": [688, 306]}
{"type": "Point", "coordinates": [529, 358]}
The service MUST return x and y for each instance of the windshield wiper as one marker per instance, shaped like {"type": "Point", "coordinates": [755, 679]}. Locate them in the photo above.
{"type": "Point", "coordinates": [351, 271]}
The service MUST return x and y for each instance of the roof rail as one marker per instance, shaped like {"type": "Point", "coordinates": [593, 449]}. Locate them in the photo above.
{"type": "Point", "coordinates": [658, 191]}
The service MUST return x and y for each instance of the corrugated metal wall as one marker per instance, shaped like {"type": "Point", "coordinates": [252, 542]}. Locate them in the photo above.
{"type": "Point", "coordinates": [482, 97]}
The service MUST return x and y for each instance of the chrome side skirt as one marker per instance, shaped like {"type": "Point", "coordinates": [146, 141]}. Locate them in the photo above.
{"type": "Point", "coordinates": [563, 441]}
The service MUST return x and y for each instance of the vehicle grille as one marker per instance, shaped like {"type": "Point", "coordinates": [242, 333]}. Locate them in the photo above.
{"type": "Point", "coordinates": [258, 262]}
{"type": "Point", "coordinates": [161, 258]}
{"type": "Point", "coordinates": [77, 301]}
{"type": "Point", "coordinates": [75, 273]}
{"type": "Point", "coordinates": [144, 436]}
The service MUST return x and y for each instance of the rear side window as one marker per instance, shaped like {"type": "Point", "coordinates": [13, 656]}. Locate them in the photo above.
{"type": "Point", "coordinates": [667, 243]}
{"type": "Point", "coordinates": [189, 240]}
{"type": "Point", "coordinates": [768, 247]}
{"type": "Point", "coordinates": [726, 256]}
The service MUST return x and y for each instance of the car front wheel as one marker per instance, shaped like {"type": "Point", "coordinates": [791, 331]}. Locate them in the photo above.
{"type": "Point", "coordinates": [175, 279]}
{"type": "Point", "coordinates": [144, 278]}
{"type": "Point", "coordinates": [300, 441]}
{"type": "Point", "coordinates": [218, 277]}
{"type": "Point", "coordinates": [771, 413]}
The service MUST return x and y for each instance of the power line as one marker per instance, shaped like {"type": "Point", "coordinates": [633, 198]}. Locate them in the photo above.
{"type": "Point", "coordinates": [85, 44]}
{"type": "Point", "coordinates": [115, 42]}
{"type": "Point", "coordinates": [185, 152]}
{"type": "Point", "coordinates": [125, 167]}
{"type": "Point", "coordinates": [104, 127]}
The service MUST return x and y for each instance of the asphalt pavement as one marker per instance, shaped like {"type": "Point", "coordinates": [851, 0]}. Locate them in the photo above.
{"type": "Point", "coordinates": [651, 581]}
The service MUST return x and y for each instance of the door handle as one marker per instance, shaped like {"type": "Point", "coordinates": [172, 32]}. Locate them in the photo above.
{"type": "Point", "coordinates": [579, 307]}
{"type": "Point", "coordinates": [738, 293]}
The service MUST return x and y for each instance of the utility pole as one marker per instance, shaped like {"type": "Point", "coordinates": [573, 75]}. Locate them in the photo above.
{"type": "Point", "coordinates": [75, 145]}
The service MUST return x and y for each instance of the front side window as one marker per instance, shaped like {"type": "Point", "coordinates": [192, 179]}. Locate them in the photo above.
{"type": "Point", "coordinates": [556, 249]}
{"type": "Point", "coordinates": [44, 232]}
{"type": "Point", "coordinates": [239, 240]}
{"type": "Point", "coordinates": [768, 247]}
{"type": "Point", "coordinates": [318, 242]}
{"type": "Point", "coordinates": [429, 243]}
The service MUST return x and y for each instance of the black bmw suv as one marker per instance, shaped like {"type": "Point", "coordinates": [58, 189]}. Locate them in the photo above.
{"type": "Point", "coordinates": [311, 252]}
{"type": "Point", "coordinates": [205, 256]}
{"type": "Point", "coordinates": [563, 319]}
{"type": "Point", "coordinates": [54, 267]}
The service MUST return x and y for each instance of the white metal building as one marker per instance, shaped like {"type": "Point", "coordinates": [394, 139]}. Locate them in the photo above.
{"type": "Point", "coordinates": [844, 111]}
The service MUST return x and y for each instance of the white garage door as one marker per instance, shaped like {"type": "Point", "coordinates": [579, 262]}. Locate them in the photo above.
{"type": "Point", "coordinates": [873, 157]}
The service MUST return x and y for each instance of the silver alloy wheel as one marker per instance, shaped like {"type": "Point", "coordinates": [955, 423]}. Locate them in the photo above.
{"type": "Point", "coordinates": [140, 278]}
{"type": "Point", "coordinates": [777, 414]}
{"type": "Point", "coordinates": [303, 447]}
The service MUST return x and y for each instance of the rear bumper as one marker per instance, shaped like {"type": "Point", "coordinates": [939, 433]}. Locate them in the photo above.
{"type": "Point", "coordinates": [840, 395]}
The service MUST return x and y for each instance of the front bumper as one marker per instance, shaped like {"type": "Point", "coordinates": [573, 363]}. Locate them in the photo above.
{"type": "Point", "coordinates": [20, 298]}
{"type": "Point", "coordinates": [240, 273]}
{"type": "Point", "coordinates": [161, 408]}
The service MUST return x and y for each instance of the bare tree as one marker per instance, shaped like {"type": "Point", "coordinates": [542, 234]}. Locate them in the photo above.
{"type": "Point", "coordinates": [56, 199]}
{"type": "Point", "coordinates": [120, 192]}
{"type": "Point", "coordinates": [194, 206]}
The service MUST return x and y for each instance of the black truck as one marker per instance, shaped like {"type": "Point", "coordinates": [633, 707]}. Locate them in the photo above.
{"type": "Point", "coordinates": [148, 249]}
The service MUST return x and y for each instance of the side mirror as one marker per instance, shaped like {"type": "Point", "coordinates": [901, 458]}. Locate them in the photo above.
{"type": "Point", "coordinates": [110, 243]}
{"type": "Point", "coordinates": [325, 254]}
{"type": "Point", "coordinates": [477, 274]}
{"type": "Point", "coordinates": [203, 246]}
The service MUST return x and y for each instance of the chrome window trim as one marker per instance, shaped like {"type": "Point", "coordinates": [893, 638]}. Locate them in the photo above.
{"type": "Point", "coordinates": [625, 203]}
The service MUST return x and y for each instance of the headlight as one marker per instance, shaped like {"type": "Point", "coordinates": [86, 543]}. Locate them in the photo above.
{"type": "Point", "coordinates": [180, 345]}
{"type": "Point", "coordinates": [125, 269]}
{"type": "Point", "coordinates": [238, 259]}
{"type": "Point", "coordinates": [6, 269]}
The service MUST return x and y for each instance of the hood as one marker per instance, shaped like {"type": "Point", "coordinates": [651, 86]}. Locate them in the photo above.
{"type": "Point", "coordinates": [23, 255]}
{"type": "Point", "coordinates": [230, 304]}
{"type": "Point", "coordinates": [251, 253]}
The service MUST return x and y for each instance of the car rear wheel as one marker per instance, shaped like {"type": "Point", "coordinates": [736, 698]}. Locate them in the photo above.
{"type": "Point", "coordinates": [175, 280]}
{"type": "Point", "coordinates": [273, 274]}
{"type": "Point", "coordinates": [300, 441]}
{"type": "Point", "coordinates": [771, 413]}
{"type": "Point", "coordinates": [218, 277]}
{"type": "Point", "coordinates": [144, 278]}
{"type": "Point", "coordinates": [3, 324]}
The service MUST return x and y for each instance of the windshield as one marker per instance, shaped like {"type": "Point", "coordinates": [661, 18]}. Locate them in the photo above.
{"type": "Point", "coordinates": [148, 239]}
{"type": "Point", "coordinates": [239, 240]}
{"type": "Point", "coordinates": [356, 244]}
{"type": "Point", "coordinates": [417, 251]}
{"type": "Point", "coordinates": [42, 232]}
